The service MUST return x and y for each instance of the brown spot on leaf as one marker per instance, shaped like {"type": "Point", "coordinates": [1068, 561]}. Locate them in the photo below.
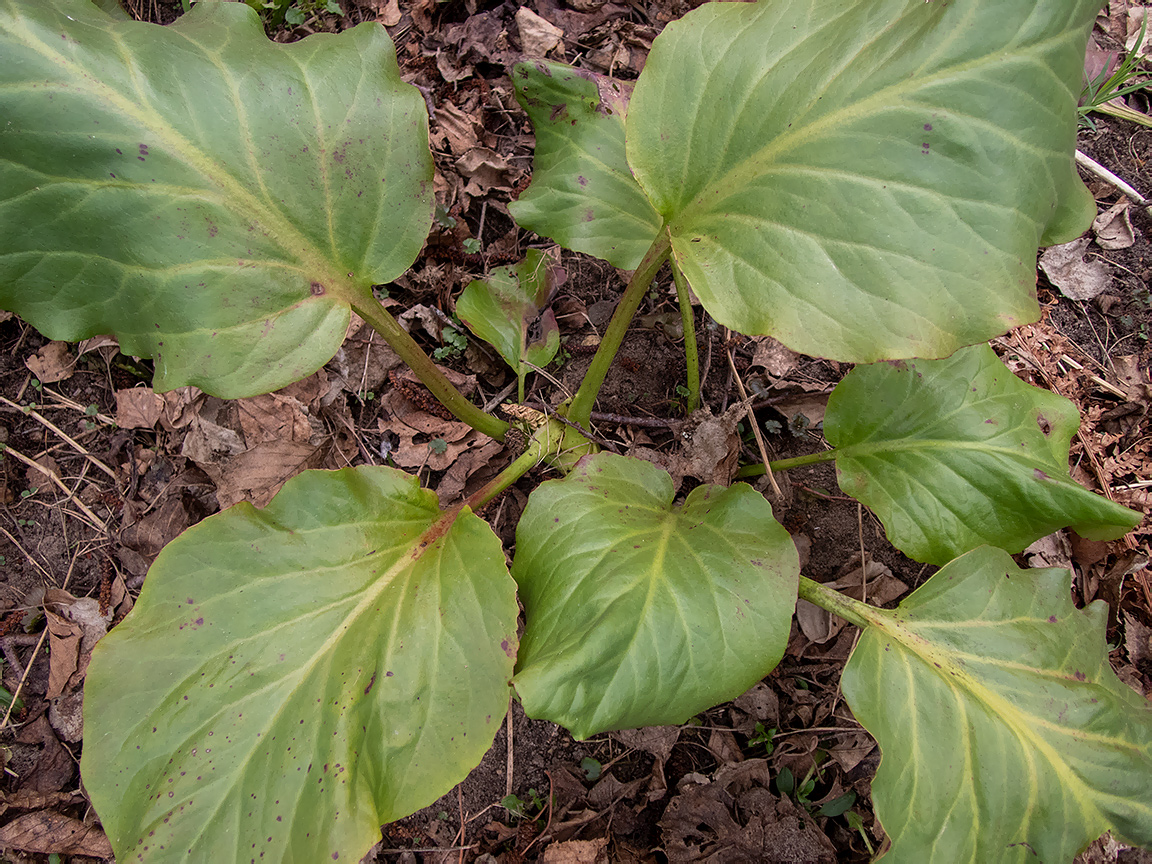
{"type": "Point", "coordinates": [317, 289]}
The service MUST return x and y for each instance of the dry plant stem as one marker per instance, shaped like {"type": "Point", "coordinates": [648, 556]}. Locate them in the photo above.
{"type": "Point", "coordinates": [97, 522]}
{"type": "Point", "coordinates": [853, 611]}
{"type": "Point", "coordinates": [691, 352]}
{"type": "Point", "coordinates": [432, 378]}
{"type": "Point", "coordinates": [1091, 165]}
{"type": "Point", "coordinates": [75, 446]}
{"type": "Point", "coordinates": [580, 409]}
{"type": "Point", "coordinates": [752, 422]}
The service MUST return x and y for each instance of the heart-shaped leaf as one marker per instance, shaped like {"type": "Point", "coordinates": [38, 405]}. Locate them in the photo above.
{"type": "Point", "coordinates": [214, 199]}
{"type": "Point", "coordinates": [505, 307]}
{"type": "Point", "coordinates": [344, 652]}
{"type": "Point", "coordinates": [582, 194]}
{"type": "Point", "coordinates": [642, 613]}
{"type": "Point", "coordinates": [1007, 737]}
{"type": "Point", "coordinates": [868, 181]}
{"type": "Point", "coordinates": [955, 453]}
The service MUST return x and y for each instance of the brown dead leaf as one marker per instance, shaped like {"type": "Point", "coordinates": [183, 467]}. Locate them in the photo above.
{"type": "Point", "coordinates": [65, 715]}
{"type": "Point", "coordinates": [485, 170]}
{"type": "Point", "coordinates": [1113, 228]}
{"type": "Point", "coordinates": [1137, 16]}
{"type": "Point", "coordinates": [54, 362]}
{"type": "Point", "coordinates": [482, 37]}
{"type": "Point", "coordinates": [256, 475]}
{"type": "Point", "coordinates": [387, 12]}
{"type": "Point", "coordinates": [457, 130]}
{"type": "Point", "coordinates": [75, 625]}
{"type": "Point", "coordinates": [722, 744]}
{"type": "Point", "coordinates": [1077, 279]}
{"type": "Point", "coordinates": [54, 768]}
{"type": "Point", "coordinates": [157, 529]}
{"type": "Point", "coordinates": [736, 818]}
{"type": "Point", "coordinates": [657, 740]}
{"type": "Point", "coordinates": [138, 408]}
{"type": "Point", "coordinates": [577, 852]}
{"type": "Point", "coordinates": [773, 356]}
{"type": "Point", "coordinates": [537, 36]}
{"type": "Point", "coordinates": [49, 832]}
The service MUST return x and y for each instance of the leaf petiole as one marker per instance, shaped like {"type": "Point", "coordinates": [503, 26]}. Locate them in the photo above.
{"type": "Point", "coordinates": [580, 408]}
{"type": "Point", "coordinates": [427, 371]}
{"type": "Point", "coordinates": [691, 353]}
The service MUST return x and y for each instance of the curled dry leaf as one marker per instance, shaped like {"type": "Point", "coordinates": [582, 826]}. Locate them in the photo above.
{"type": "Point", "coordinates": [1113, 227]}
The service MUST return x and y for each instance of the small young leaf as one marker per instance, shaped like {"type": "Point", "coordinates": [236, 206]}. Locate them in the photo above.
{"type": "Point", "coordinates": [785, 782]}
{"type": "Point", "coordinates": [640, 612]}
{"type": "Point", "coordinates": [344, 651]}
{"type": "Point", "coordinates": [504, 308]}
{"type": "Point", "coordinates": [837, 806]}
{"type": "Point", "coordinates": [955, 453]}
{"type": "Point", "coordinates": [582, 193]}
{"type": "Point", "coordinates": [1006, 734]}
{"type": "Point", "coordinates": [214, 199]}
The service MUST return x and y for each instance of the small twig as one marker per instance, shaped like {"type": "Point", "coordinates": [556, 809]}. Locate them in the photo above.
{"type": "Point", "coordinates": [863, 561]}
{"type": "Point", "coordinates": [1091, 165]}
{"type": "Point", "coordinates": [755, 428]}
{"type": "Point", "coordinates": [55, 478]}
{"type": "Point", "coordinates": [548, 824]}
{"type": "Point", "coordinates": [75, 446]}
{"type": "Point", "coordinates": [508, 763]}
{"type": "Point", "coordinates": [1096, 379]}
{"type": "Point", "coordinates": [646, 422]}
{"type": "Point", "coordinates": [24, 552]}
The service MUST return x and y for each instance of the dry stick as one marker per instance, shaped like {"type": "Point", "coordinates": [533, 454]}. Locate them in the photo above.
{"type": "Point", "coordinates": [55, 478]}
{"type": "Point", "coordinates": [65, 402]}
{"type": "Point", "coordinates": [1107, 176]}
{"type": "Point", "coordinates": [863, 563]}
{"type": "Point", "coordinates": [752, 422]}
{"type": "Point", "coordinates": [75, 445]}
{"type": "Point", "coordinates": [24, 552]}
{"type": "Point", "coordinates": [508, 764]}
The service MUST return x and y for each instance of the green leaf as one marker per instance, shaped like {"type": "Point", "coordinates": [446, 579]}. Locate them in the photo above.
{"type": "Point", "coordinates": [504, 307]}
{"type": "Point", "coordinates": [869, 181]}
{"type": "Point", "coordinates": [343, 653]}
{"type": "Point", "coordinates": [215, 200]}
{"type": "Point", "coordinates": [955, 453]}
{"type": "Point", "coordinates": [1007, 737]}
{"type": "Point", "coordinates": [582, 193]}
{"type": "Point", "coordinates": [642, 613]}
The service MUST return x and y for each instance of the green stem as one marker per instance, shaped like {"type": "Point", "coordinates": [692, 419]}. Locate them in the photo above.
{"type": "Point", "coordinates": [580, 409]}
{"type": "Point", "coordinates": [691, 353]}
{"type": "Point", "coordinates": [788, 464]}
{"type": "Point", "coordinates": [520, 466]}
{"type": "Point", "coordinates": [860, 614]}
{"type": "Point", "coordinates": [427, 371]}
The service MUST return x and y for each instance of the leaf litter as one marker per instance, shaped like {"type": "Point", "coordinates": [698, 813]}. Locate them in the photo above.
{"type": "Point", "coordinates": [706, 791]}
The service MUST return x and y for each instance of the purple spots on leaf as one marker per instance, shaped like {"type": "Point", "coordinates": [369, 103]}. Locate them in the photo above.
{"type": "Point", "coordinates": [927, 127]}
{"type": "Point", "coordinates": [583, 181]}
{"type": "Point", "coordinates": [1051, 619]}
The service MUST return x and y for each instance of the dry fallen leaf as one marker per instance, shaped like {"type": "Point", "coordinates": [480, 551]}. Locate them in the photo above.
{"type": "Point", "coordinates": [54, 362]}
{"type": "Point", "coordinates": [537, 36]}
{"type": "Point", "coordinates": [48, 832]}
{"type": "Point", "coordinates": [1113, 227]}
{"type": "Point", "coordinates": [138, 408]}
{"type": "Point", "coordinates": [577, 852]}
{"type": "Point", "coordinates": [1077, 279]}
